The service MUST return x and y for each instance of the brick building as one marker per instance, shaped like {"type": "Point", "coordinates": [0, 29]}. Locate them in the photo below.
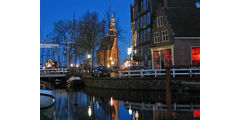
{"type": "Point", "coordinates": [143, 15]}
{"type": "Point", "coordinates": [176, 36]}
{"type": "Point", "coordinates": [108, 53]}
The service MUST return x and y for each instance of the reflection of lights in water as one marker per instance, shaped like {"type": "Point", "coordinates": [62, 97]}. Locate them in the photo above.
{"type": "Point", "coordinates": [130, 111]}
{"type": "Point", "coordinates": [111, 101]}
{"type": "Point", "coordinates": [97, 104]}
{"type": "Point", "coordinates": [136, 115]}
{"type": "Point", "coordinates": [89, 111]}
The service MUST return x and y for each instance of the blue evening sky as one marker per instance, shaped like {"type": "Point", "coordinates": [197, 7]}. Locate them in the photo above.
{"type": "Point", "coordinates": [53, 10]}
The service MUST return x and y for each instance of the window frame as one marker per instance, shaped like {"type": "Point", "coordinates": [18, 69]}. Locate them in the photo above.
{"type": "Point", "coordinates": [165, 37]}
{"type": "Point", "coordinates": [155, 37]}
{"type": "Point", "coordinates": [159, 21]}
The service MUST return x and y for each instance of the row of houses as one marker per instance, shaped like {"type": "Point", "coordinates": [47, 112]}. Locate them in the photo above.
{"type": "Point", "coordinates": [165, 32]}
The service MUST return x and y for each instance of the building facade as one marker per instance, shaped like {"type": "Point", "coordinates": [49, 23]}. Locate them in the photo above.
{"type": "Point", "coordinates": [176, 36]}
{"type": "Point", "coordinates": [144, 16]}
{"type": "Point", "coordinates": [108, 53]}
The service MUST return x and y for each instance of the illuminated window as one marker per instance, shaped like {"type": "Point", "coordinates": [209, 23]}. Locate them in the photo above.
{"type": "Point", "coordinates": [159, 21]}
{"type": "Point", "coordinates": [165, 36]}
{"type": "Point", "coordinates": [196, 55]}
{"type": "Point", "coordinates": [168, 57]}
{"type": "Point", "coordinates": [156, 37]}
{"type": "Point", "coordinates": [156, 58]}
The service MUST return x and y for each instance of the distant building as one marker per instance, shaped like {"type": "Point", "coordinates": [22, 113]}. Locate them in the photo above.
{"type": "Point", "coordinates": [144, 14]}
{"type": "Point", "coordinates": [108, 53]}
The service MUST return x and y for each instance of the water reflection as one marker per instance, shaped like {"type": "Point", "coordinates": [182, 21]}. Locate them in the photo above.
{"type": "Point", "coordinates": [82, 105]}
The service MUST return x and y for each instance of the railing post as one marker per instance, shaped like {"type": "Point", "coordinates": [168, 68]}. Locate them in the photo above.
{"type": "Point", "coordinates": [155, 73]}
{"type": "Point", "coordinates": [141, 73]}
{"type": "Point", "coordinates": [191, 107]}
{"type": "Point", "coordinates": [190, 72]}
{"type": "Point", "coordinates": [173, 70]}
{"type": "Point", "coordinates": [129, 74]}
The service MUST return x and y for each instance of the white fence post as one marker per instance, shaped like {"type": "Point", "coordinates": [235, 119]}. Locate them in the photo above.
{"type": "Point", "coordinates": [190, 72]}
{"type": "Point", "coordinates": [173, 70]}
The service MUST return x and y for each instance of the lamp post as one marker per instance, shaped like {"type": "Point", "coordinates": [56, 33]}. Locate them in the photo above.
{"type": "Point", "coordinates": [129, 52]}
{"type": "Point", "coordinates": [89, 58]}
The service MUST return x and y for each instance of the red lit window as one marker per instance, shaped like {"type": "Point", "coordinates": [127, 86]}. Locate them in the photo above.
{"type": "Point", "coordinates": [168, 57]}
{"type": "Point", "coordinates": [156, 57]}
{"type": "Point", "coordinates": [196, 55]}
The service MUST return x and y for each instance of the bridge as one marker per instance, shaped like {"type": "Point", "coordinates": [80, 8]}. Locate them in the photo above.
{"type": "Point", "coordinates": [57, 72]}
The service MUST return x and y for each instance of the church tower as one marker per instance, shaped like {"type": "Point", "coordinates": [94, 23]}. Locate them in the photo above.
{"type": "Point", "coordinates": [114, 44]}
{"type": "Point", "coordinates": [108, 54]}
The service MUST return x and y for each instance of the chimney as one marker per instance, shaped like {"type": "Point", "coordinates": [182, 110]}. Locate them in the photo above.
{"type": "Point", "coordinates": [165, 3]}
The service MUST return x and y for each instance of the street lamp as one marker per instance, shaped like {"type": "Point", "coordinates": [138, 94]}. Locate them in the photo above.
{"type": "Point", "coordinates": [77, 65]}
{"type": "Point", "coordinates": [129, 50]}
{"type": "Point", "coordinates": [71, 65]}
{"type": "Point", "coordinates": [112, 62]}
{"type": "Point", "coordinates": [88, 56]}
{"type": "Point", "coordinates": [110, 58]}
{"type": "Point", "coordinates": [108, 66]}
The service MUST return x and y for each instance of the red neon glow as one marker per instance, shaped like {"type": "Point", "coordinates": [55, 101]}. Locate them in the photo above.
{"type": "Point", "coordinates": [196, 55]}
{"type": "Point", "coordinates": [196, 113]}
{"type": "Point", "coordinates": [168, 57]}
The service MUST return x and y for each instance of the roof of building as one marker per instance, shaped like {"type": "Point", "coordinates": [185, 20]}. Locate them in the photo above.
{"type": "Point", "coordinates": [184, 21]}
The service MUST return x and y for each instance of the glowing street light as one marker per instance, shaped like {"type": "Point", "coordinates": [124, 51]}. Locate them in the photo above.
{"type": "Point", "coordinates": [110, 58]}
{"type": "Point", "coordinates": [71, 65]}
{"type": "Point", "coordinates": [112, 62]}
{"type": "Point", "coordinates": [88, 56]}
{"type": "Point", "coordinates": [77, 65]}
{"type": "Point", "coordinates": [108, 65]}
{"type": "Point", "coordinates": [129, 50]}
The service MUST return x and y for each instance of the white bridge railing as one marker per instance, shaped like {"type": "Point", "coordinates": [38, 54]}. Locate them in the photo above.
{"type": "Point", "coordinates": [54, 71]}
{"type": "Point", "coordinates": [175, 107]}
{"type": "Point", "coordinates": [160, 72]}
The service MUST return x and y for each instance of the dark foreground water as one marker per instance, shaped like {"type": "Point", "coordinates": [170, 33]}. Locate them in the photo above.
{"type": "Point", "coordinates": [102, 104]}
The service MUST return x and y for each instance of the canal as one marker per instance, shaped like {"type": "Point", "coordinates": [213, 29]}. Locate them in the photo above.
{"type": "Point", "coordinates": [107, 104]}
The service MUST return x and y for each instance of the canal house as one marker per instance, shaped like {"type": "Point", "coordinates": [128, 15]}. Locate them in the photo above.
{"type": "Point", "coordinates": [176, 37]}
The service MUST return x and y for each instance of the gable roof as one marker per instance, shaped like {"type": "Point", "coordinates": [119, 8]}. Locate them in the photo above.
{"type": "Point", "coordinates": [184, 21]}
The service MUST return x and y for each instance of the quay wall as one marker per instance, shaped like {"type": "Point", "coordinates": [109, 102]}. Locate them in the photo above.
{"type": "Point", "coordinates": [137, 83]}
{"type": "Point", "coordinates": [125, 83]}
